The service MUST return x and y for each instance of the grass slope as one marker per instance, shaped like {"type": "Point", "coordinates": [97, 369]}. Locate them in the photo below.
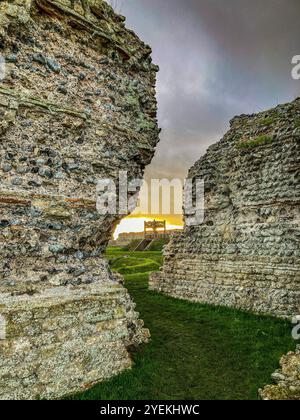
{"type": "Point", "coordinates": [197, 351]}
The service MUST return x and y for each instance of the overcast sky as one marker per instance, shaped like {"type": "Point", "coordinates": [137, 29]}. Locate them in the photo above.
{"type": "Point", "coordinates": [217, 58]}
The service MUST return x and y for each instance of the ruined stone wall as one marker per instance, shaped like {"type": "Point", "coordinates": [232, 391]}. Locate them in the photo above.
{"type": "Point", "coordinates": [77, 104]}
{"type": "Point", "coordinates": [246, 254]}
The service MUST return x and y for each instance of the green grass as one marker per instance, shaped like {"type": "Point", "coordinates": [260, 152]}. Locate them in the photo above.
{"type": "Point", "coordinates": [197, 351]}
{"type": "Point", "coordinates": [259, 141]}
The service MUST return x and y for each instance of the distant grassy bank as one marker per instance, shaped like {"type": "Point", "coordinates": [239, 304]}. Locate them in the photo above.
{"type": "Point", "coordinates": [197, 352]}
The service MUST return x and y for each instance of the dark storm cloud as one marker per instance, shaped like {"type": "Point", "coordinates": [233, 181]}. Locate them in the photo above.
{"type": "Point", "coordinates": [218, 58]}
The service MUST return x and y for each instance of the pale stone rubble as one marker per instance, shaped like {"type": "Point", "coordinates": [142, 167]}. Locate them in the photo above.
{"type": "Point", "coordinates": [77, 104]}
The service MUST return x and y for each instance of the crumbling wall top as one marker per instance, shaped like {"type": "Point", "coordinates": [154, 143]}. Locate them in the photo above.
{"type": "Point", "coordinates": [94, 16]}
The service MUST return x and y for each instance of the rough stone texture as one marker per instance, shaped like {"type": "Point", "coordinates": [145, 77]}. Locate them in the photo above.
{"type": "Point", "coordinates": [77, 105]}
{"type": "Point", "coordinates": [246, 254]}
{"type": "Point", "coordinates": [287, 380]}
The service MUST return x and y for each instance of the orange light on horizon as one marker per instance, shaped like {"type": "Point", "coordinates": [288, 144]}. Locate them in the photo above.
{"type": "Point", "coordinates": [136, 224]}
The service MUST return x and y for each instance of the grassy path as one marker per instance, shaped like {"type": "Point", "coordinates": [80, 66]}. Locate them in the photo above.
{"type": "Point", "coordinates": [197, 351]}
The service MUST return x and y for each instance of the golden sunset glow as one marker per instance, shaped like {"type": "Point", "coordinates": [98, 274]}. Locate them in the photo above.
{"type": "Point", "coordinates": [136, 224]}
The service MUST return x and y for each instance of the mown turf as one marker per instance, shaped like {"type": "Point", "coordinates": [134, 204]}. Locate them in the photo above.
{"type": "Point", "coordinates": [197, 351]}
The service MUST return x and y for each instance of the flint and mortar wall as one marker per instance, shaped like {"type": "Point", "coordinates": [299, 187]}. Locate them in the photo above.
{"type": "Point", "coordinates": [286, 380]}
{"type": "Point", "coordinates": [246, 254]}
{"type": "Point", "coordinates": [77, 104]}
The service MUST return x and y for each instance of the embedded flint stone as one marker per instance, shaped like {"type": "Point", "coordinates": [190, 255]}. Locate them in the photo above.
{"type": "Point", "coordinates": [72, 70]}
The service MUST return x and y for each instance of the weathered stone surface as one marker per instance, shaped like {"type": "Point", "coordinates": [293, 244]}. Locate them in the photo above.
{"type": "Point", "coordinates": [287, 380]}
{"type": "Point", "coordinates": [64, 340]}
{"type": "Point", "coordinates": [246, 254]}
{"type": "Point", "coordinates": [77, 104]}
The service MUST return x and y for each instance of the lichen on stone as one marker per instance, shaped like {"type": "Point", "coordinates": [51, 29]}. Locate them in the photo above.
{"type": "Point", "coordinates": [72, 70]}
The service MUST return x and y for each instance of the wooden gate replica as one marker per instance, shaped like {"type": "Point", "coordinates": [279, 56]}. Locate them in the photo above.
{"type": "Point", "coordinates": [151, 229]}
